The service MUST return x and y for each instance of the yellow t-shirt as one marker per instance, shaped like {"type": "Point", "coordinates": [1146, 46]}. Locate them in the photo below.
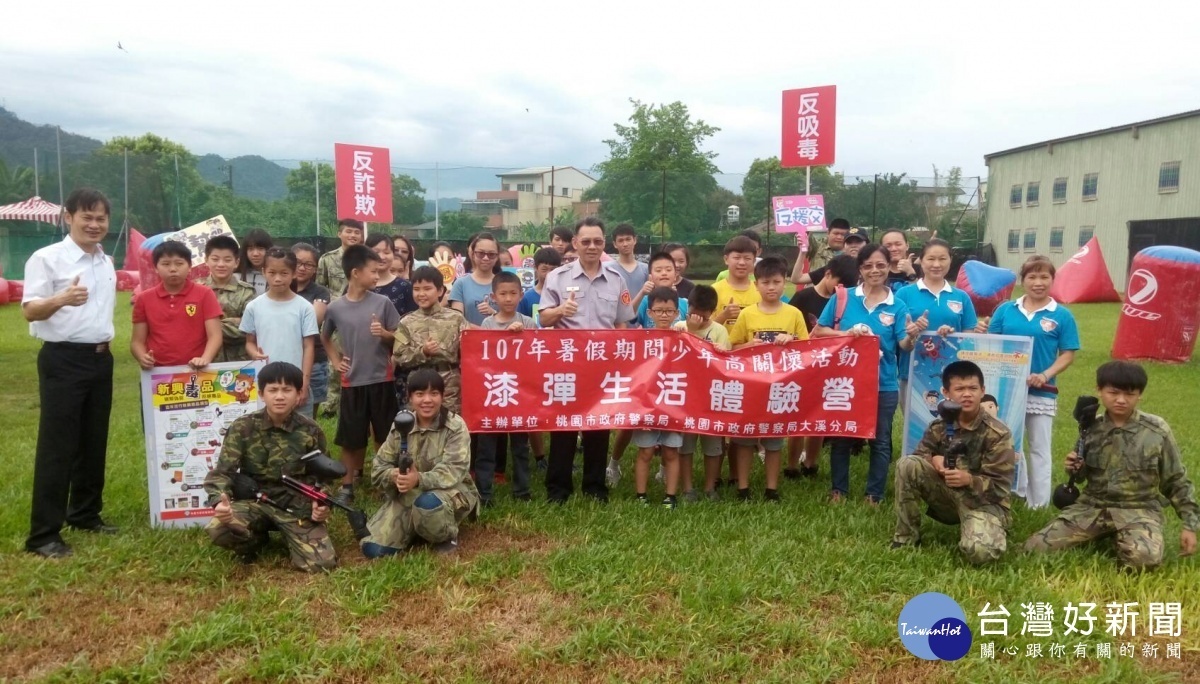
{"type": "Point", "coordinates": [754, 323]}
{"type": "Point", "coordinates": [714, 333]}
{"type": "Point", "coordinates": [744, 298]}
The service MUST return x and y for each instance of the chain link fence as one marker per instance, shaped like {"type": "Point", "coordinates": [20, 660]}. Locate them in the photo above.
{"type": "Point", "coordinates": [295, 200]}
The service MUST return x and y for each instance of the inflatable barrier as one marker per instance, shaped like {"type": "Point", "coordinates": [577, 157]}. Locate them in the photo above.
{"type": "Point", "coordinates": [1162, 306]}
{"type": "Point", "coordinates": [1084, 278]}
{"type": "Point", "coordinates": [987, 286]}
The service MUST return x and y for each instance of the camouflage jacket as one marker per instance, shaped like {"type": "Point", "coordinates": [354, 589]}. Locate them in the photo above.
{"type": "Point", "coordinates": [1129, 466]}
{"type": "Point", "coordinates": [264, 452]}
{"type": "Point", "coordinates": [442, 454]}
{"type": "Point", "coordinates": [233, 297]}
{"type": "Point", "coordinates": [820, 255]}
{"type": "Point", "coordinates": [442, 324]}
{"type": "Point", "coordinates": [989, 458]}
{"type": "Point", "coordinates": [330, 273]}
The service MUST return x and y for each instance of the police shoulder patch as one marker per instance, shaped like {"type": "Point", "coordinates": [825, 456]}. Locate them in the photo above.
{"type": "Point", "coordinates": [625, 298]}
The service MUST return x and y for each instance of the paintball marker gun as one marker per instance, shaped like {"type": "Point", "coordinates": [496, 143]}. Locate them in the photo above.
{"type": "Point", "coordinates": [320, 466]}
{"type": "Point", "coordinates": [1085, 416]}
{"type": "Point", "coordinates": [246, 489]}
{"type": "Point", "coordinates": [949, 412]}
{"type": "Point", "coordinates": [404, 422]}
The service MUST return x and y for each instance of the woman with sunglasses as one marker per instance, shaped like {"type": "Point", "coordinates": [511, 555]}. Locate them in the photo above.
{"type": "Point", "coordinates": [871, 309]}
{"type": "Point", "coordinates": [471, 295]}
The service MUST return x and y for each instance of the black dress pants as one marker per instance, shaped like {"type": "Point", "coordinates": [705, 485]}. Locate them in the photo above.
{"type": "Point", "coordinates": [75, 382]}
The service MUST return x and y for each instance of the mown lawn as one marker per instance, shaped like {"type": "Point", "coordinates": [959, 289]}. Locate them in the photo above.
{"type": "Point", "coordinates": [712, 592]}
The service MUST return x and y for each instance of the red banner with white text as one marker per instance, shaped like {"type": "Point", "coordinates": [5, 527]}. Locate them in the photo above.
{"type": "Point", "coordinates": [363, 176]}
{"type": "Point", "coordinates": [809, 127]}
{"type": "Point", "coordinates": [551, 380]}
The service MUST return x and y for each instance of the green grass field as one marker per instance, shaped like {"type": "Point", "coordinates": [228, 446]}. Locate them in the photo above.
{"type": "Point", "coordinates": [712, 592]}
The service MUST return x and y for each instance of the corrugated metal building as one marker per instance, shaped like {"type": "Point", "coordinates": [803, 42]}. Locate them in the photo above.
{"type": "Point", "coordinates": [1132, 186]}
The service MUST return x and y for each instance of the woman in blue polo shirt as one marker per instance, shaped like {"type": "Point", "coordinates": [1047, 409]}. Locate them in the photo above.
{"type": "Point", "coordinates": [1055, 341]}
{"type": "Point", "coordinates": [934, 304]}
{"type": "Point", "coordinates": [871, 309]}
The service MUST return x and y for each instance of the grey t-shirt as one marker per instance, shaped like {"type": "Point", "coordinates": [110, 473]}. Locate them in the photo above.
{"type": "Point", "coordinates": [634, 280]}
{"type": "Point", "coordinates": [490, 323]}
{"type": "Point", "coordinates": [469, 293]}
{"type": "Point", "coordinates": [370, 356]}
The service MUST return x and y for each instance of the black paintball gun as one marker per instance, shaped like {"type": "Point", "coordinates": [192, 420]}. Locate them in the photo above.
{"type": "Point", "coordinates": [949, 412]}
{"type": "Point", "coordinates": [1085, 412]}
{"type": "Point", "coordinates": [404, 422]}
{"type": "Point", "coordinates": [320, 466]}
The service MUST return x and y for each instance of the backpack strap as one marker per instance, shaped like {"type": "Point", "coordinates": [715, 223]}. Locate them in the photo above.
{"type": "Point", "coordinates": [842, 298]}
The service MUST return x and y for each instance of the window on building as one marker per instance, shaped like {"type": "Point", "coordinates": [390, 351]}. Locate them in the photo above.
{"type": "Point", "coordinates": [1060, 190]}
{"type": "Point", "coordinates": [1056, 239]}
{"type": "Point", "coordinates": [1032, 192]}
{"type": "Point", "coordinates": [1014, 240]}
{"type": "Point", "coordinates": [1014, 197]}
{"type": "Point", "coordinates": [505, 187]}
{"type": "Point", "coordinates": [1168, 177]}
{"type": "Point", "coordinates": [566, 192]}
{"type": "Point", "coordinates": [524, 187]}
{"type": "Point", "coordinates": [1085, 234]}
{"type": "Point", "coordinates": [1090, 181]}
{"type": "Point", "coordinates": [1030, 239]}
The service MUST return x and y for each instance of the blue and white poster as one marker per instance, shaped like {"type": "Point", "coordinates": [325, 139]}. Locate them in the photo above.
{"type": "Point", "coordinates": [1004, 360]}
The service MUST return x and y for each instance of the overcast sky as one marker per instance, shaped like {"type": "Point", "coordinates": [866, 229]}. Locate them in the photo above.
{"type": "Point", "coordinates": [537, 83]}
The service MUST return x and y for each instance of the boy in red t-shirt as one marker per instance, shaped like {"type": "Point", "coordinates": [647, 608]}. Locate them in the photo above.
{"type": "Point", "coordinates": [178, 322]}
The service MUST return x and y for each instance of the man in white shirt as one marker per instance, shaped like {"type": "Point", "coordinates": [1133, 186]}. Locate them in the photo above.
{"type": "Point", "coordinates": [70, 294]}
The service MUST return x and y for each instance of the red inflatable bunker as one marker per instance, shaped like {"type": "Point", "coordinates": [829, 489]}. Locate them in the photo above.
{"type": "Point", "coordinates": [16, 290]}
{"type": "Point", "coordinates": [4, 291]}
{"type": "Point", "coordinates": [1162, 306]}
{"type": "Point", "coordinates": [127, 281]}
{"type": "Point", "coordinates": [1084, 278]}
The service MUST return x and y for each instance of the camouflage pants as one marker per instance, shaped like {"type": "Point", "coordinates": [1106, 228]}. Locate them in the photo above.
{"type": "Point", "coordinates": [1137, 532]}
{"type": "Point", "coordinates": [333, 387]}
{"type": "Point", "coordinates": [232, 352]}
{"type": "Point", "coordinates": [308, 543]}
{"type": "Point", "coordinates": [451, 399]}
{"type": "Point", "coordinates": [982, 532]}
{"type": "Point", "coordinates": [432, 516]}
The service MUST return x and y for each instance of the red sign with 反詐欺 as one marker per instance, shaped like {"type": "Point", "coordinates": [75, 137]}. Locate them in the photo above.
{"type": "Point", "coordinates": [364, 183]}
{"type": "Point", "coordinates": [667, 380]}
{"type": "Point", "coordinates": [809, 125]}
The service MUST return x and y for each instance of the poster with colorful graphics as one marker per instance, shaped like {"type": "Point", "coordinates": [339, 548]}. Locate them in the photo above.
{"type": "Point", "coordinates": [1004, 360]}
{"type": "Point", "coordinates": [186, 413]}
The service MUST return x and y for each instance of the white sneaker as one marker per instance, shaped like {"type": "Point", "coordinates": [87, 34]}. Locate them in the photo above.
{"type": "Point", "coordinates": [612, 474]}
{"type": "Point", "coordinates": [660, 475]}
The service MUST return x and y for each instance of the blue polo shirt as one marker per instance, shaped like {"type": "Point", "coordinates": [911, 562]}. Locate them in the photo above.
{"type": "Point", "coordinates": [886, 320]}
{"type": "Point", "coordinates": [1052, 328]}
{"type": "Point", "coordinates": [948, 306]}
{"type": "Point", "coordinates": [529, 302]}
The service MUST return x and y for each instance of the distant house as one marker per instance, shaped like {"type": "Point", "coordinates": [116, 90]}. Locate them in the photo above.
{"type": "Point", "coordinates": [533, 195]}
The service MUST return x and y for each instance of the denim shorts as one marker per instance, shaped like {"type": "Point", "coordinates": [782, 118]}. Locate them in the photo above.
{"type": "Point", "coordinates": [648, 439]}
{"type": "Point", "coordinates": [319, 382]}
{"type": "Point", "coordinates": [710, 445]}
{"type": "Point", "coordinates": [768, 443]}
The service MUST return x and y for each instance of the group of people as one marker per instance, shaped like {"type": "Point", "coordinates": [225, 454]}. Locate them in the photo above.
{"type": "Point", "coordinates": [364, 332]}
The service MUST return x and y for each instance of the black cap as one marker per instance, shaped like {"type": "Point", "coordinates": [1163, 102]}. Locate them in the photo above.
{"type": "Point", "coordinates": [857, 233]}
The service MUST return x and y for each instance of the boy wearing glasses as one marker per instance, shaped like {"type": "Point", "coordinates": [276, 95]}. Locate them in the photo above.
{"type": "Point", "coordinates": [664, 309]}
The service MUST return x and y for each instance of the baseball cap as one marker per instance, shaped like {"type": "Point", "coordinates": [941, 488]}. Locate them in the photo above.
{"type": "Point", "coordinates": [857, 233]}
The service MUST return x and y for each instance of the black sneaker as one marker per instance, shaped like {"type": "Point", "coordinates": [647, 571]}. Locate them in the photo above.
{"type": "Point", "coordinates": [642, 499]}
{"type": "Point", "coordinates": [743, 494]}
{"type": "Point", "coordinates": [446, 547]}
{"type": "Point", "coordinates": [670, 503]}
{"type": "Point", "coordinates": [523, 497]}
{"type": "Point", "coordinates": [792, 473]}
{"type": "Point", "coordinates": [772, 495]}
{"type": "Point", "coordinates": [902, 545]}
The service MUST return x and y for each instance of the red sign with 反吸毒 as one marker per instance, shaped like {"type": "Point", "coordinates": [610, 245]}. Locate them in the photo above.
{"type": "Point", "coordinates": [809, 125]}
{"type": "Point", "coordinates": [364, 183]}
{"type": "Point", "coordinates": [667, 380]}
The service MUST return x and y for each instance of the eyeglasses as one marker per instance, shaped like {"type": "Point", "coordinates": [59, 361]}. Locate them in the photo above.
{"type": "Point", "coordinates": [487, 255]}
{"type": "Point", "coordinates": [664, 312]}
{"type": "Point", "coordinates": [874, 267]}
{"type": "Point", "coordinates": [570, 259]}
{"type": "Point", "coordinates": [596, 242]}
{"type": "Point", "coordinates": [305, 264]}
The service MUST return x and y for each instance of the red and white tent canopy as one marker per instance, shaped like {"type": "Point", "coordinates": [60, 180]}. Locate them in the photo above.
{"type": "Point", "coordinates": [32, 209]}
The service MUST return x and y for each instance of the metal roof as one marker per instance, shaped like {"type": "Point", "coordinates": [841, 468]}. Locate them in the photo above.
{"type": "Point", "coordinates": [1092, 134]}
{"type": "Point", "coordinates": [539, 171]}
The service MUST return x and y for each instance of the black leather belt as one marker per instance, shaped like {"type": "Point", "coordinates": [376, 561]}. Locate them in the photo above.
{"type": "Point", "coordinates": [94, 347]}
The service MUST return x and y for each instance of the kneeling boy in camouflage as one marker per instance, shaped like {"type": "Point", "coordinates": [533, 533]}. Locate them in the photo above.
{"type": "Point", "coordinates": [975, 492]}
{"type": "Point", "coordinates": [427, 500]}
{"type": "Point", "coordinates": [1129, 458]}
{"type": "Point", "coordinates": [259, 449]}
